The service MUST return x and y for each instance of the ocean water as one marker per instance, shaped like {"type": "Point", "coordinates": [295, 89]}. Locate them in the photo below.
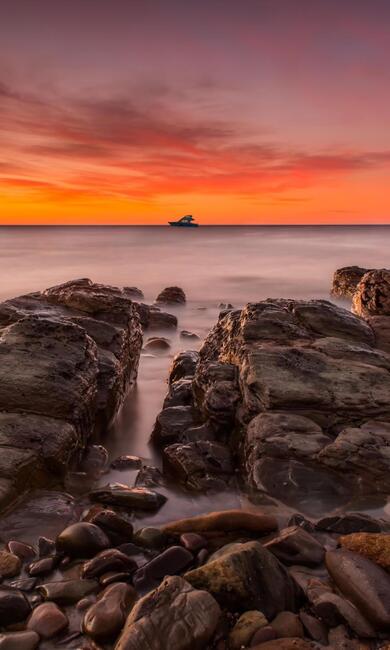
{"type": "Point", "coordinates": [213, 265]}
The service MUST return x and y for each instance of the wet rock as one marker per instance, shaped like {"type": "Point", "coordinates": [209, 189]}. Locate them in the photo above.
{"type": "Point", "coordinates": [161, 320]}
{"type": "Point", "coordinates": [85, 603]}
{"type": "Point", "coordinates": [68, 592]}
{"type": "Point", "coordinates": [193, 542]}
{"type": "Point", "coordinates": [375, 547]}
{"type": "Point", "coordinates": [346, 279]}
{"type": "Point", "coordinates": [172, 423]}
{"type": "Point", "coordinates": [133, 292]}
{"type": "Point", "coordinates": [150, 537]}
{"type": "Point", "coordinates": [114, 576]}
{"type": "Point", "coordinates": [185, 334]}
{"type": "Point", "coordinates": [332, 609]}
{"type": "Point", "coordinates": [14, 606]}
{"type": "Point", "coordinates": [294, 545]}
{"type": "Point", "coordinates": [284, 644]}
{"type": "Point", "coordinates": [200, 466]}
{"type": "Point", "coordinates": [202, 556]}
{"type": "Point", "coordinates": [180, 394]}
{"type": "Point", "coordinates": [149, 476]}
{"type": "Point", "coordinates": [94, 460]}
{"type": "Point", "coordinates": [82, 540]}
{"type": "Point", "coordinates": [24, 584]}
{"type": "Point", "coordinates": [354, 522]}
{"type": "Point", "coordinates": [157, 345]}
{"type": "Point", "coordinates": [108, 560]}
{"type": "Point", "coordinates": [105, 618]}
{"type": "Point", "coordinates": [27, 640]}
{"type": "Point", "coordinates": [10, 564]}
{"type": "Point", "coordinates": [245, 628]}
{"type": "Point", "coordinates": [43, 566]}
{"type": "Point", "coordinates": [183, 365]}
{"type": "Point", "coordinates": [223, 521]}
{"type": "Point", "coordinates": [138, 498]}
{"type": "Point", "coordinates": [170, 562]}
{"type": "Point", "coordinates": [340, 639]}
{"type": "Point", "coordinates": [261, 636]}
{"type": "Point", "coordinates": [47, 620]}
{"type": "Point", "coordinates": [225, 306]}
{"type": "Point", "coordinates": [171, 296]}
{"type": "Point", "coordinates": [314, 628]}
{"type": "Point", "coordinates": [175, 616]}
{"type": "Point", "coordinates": [247, 576]}
{"type": "Point", "coordinates": [127, 462]}
{"type": "Point", "coordinates": [24, 551]}
{"type": "Point", "coordinates": [287, 625]}
{"type": "Point", "coordinates": [301, 521]}
{"type": "Point", "coordinates": [372, 295]}
{"type": "Point", "coordinates": [46, 546]}
{"type": "Point", "coordinates": [117, 528]}
{"type": "Point", "coordinates": [364, 583]}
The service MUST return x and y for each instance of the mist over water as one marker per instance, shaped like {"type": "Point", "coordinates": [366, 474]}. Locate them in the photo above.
{"type": "Point", "coordinates": [213, 265]}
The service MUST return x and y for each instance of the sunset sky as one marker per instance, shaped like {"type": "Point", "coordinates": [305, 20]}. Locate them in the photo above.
{"type": "Point", "coordinates": [250, 111]}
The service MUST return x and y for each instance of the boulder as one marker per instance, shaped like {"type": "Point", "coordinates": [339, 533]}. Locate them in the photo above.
{"type": "Point", "coordinates": [294, 545]}
{"type": "Point", "coordinates": [372, 295]}
{"type": "Point", "coordinates": [138, 498]}
{"type": "Point", "coordinates": [200, 466]}
{"type": "Point", "coordinates": [104, 619]}
{"type": "Point", "coordinates": [183, 365]}
{"type": "Point", "coordinates": [174, 616]}
{"type": "Point", "coordinates": [346, 279]}
{"type": "Point", "coordinates": [161, 320]}
{"type": "Point", "coordinates": [171, 296]}
{"type": "Point", "coordinates": [247, 576]}
{"type": "Point", "coordinates": [374, 546]}
{"type": "Point", "coordinates": [172, 423]}
{"type": "Point", "coordinates": [179, 394]}
{"type": "Point", "coordinates": [353, 522]}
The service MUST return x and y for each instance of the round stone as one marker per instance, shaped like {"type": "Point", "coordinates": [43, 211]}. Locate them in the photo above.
{"type": "Point", "coordinates": [47, 620]}
{"type": "Point", "coordinates": [10, 564]}
{"type": "Point", "coordinates": [82, 540]}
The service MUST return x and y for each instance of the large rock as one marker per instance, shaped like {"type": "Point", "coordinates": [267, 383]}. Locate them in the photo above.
{"type": "Point", "coordinates": [200, 466]}
{"type": "Point", "coordinates": [173, 616]}
{"type": "Point", "coordinates": [372, 295]}
{"type": "Point", "coordinates": [224, 521]}
{"type": "Point", "coordinates": [374, 546]}
{"type": "Point", "coordinates": [68, 357]}
{"type": "Point", "coordinates": [171, 296]}
{"type": "Point", "coordinates": [247, 576]}
{"type": "Point", "coordinates": [346, 279]}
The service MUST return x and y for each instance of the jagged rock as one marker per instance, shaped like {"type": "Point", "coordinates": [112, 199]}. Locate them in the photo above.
{"type": "Point", "coordinates": [133, 292]}
{"type": "Point", "coordinates": [179, 394]}
{"type": "Point", "coordinates": [346, 279]}
{"type": "Point", "coordinates": [175, 616]}
{"type": "Point", "coordinates": [294, 545]}
{"type": "Point", "coordinates": [247, 576]}
{"type": "Point", "coordinates": [183, 365]}
{"type": "Point", "coordinates": [171, 296]}
{"type": "Point", "coordinates": [172, 423]}
{"type": "Point", "coordinates": [138, 498]}
{"type": "Point", "coordinates": [105, 618]}
{"type": "Point", "coordinates": [374, 546]}
{"type": "Point", "coordinates": [149, 476]}
{"type": "Point", "coordinates": [364, 583]}
{"type": "Point", "coordinates": [127, 462]}
{"type": "Point", "coordinates": [23, 551]}
{"type": "Point", "coordinates": [372, 295]}
{"type": "Point", "coordinates": [117, 528]}
{"type": "Point", "coordinates": [200, 466]}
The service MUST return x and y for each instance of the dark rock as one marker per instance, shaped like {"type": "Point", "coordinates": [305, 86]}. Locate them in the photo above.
{"type": "Point", "coordinates": [260, 637]}
{"type": "Point", "coordinates": [108, 560]}
{"type": "Point", "coordinates": [180, 394]}
{"type": "Point", "coordinates": [85, 603]}
{"type": "Point", "coordinates": [149, 537]}
{"type": "Point", "coordinates": [247, 576]}
{"type": "Point", "coordinates": [117, 528]}
{"type": "Point", "coordinates": [287, 625]}
{"type": "Point", "coordinates": [171, 562]}
{"type": "Point", "coordinates": [24, 551]}
{"type": "Point", "coordinates": [301, 521]}
{"type": "Point", "coordinates": [172, 423]}
{"type": "Point", "coordinates": [149, 476]}
{"type": "Point", "coordinates": [364, 583]}
{"type": "Point", "coordinates": [244, 629]}
{"type": "Point", "coordinates": [223, 521]}
{"type": "Point", "coordinates": [157, 345]}
{"type": "Point", "coordinates": [346, 279]}
{"type": "Point", "coordinates": [202, 556]}
{"type": "Point", "coordinates": [105, 618]}
{"type": "Point", "coordinates": [171, 296]}
{"type": "Point", "coordinates": [82, 540]}
{"type": "Point", "coordinates": [43, 566]}
{"type": "Point", "coordinates": [185, 334]}
{"type": "Point", "coordinates": [127, 462]}
{"type": "Point", "coordinates": [46, 546]}
{"type": "Point", "coordinates": [14, 606]}
{"type": "Point", "coordinates": [24, 584]}
{"type": "Point", "coordinates": [314, 628]}
{"type": "Point", "coordinates": [161, 320]}
{"type": "Point", "coordinates": [114, 576]}
{"type": "Point", "coordinates": [283, 644]}
{"type": "Point", "coordinates": [333, 609]}
{"type": "Point", "coordinates": [295, 545]}
{"type": "Point", "coordinates": [133, 292]}
{"type": "Point", "coordinates": [354, 522]}
{"type": "Point", "coordinates": [138, 498]}
{"type": "Point", "coordinates": [175, 615]}
{"type": "Point", "coordinates": [183, 365]}
{"type": "Point", "coordinates": [94, 460]}
{"type": "Point", "coordinates": [372, 295]}
{"type": "Point", "coordinates": [47, 620]}
{"type": "Point", "coordinates": [67, 592]}
{"type": "Point", "coordinates": [200, 466]}
{"type": "Point", "coordinates": [193, 542]}
{"type": "Point", "coordinates": [27, 640]}
{"type": "Point", "coordinates": [10, 564]}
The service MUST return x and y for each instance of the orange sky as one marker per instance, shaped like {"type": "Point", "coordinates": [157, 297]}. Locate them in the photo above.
{"type": "Point", "coordinates": [134, 113]}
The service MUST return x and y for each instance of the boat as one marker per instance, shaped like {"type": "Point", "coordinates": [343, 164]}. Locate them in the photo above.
{"type": "Point", "coordinates": [185, 222]}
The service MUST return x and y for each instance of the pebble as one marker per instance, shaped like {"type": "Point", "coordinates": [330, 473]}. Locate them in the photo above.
{"type": "Point", "coordinates": [109, 560]}
{"type": "Point", "coordinates": [27, 640]}
{"type": "Point", "coordinates": [315, 629]}
{"type": "Point", "coordinates": [150, 537]}
{"type": "Point", "coordinates": [10, 564]}
{"type": "Point", "coordinates": [82, 540]}
{"type": "Point", "coordinates": [185, 334]}
{"type": "Point", "coordinates": [171, 562]}
{"type": "Point", "coordinates": [67, 592]}
{"type": "Point", "coordinates": [245, 628]}
{"type": "Point", "coordinates": [157, 344]}
{"type": "Point", "coordinates": [127, 462]}
{"type": "Point", "coordinates": [138, 498]}
{"type": "Point", "coordinates": [46, 546]}
{"type": "Point", "coordinates": [114, 576]}
{"type": "Point", "coordinates": [105, 618]}
{"type": "Point", "coordinates": [287, 624]}
{"type": "Point", "coordinates": [40, 567]}
{"type": "Point", "coordinates": [24, 584]}
{"type": "Point", "coordinates": [193, 542]}
{"type": "Point", "coordinates": [47, 620]}
{"type": "Point", "coordinates": [22, 550]}
{"type": "Point", "coordinates": [86, 602]}
{"type": "Point", "coordinates": [117, 528]}
{"type": "Point", "coordinates": [266, 633]}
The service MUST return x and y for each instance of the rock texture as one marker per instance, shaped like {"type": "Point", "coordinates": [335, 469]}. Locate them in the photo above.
{"type": "Point", "coordinates": [374, 546]}
{"type": "Point", "coordinates": [68, 357]}
{"type": "Point", "coordinates": [346, 279]}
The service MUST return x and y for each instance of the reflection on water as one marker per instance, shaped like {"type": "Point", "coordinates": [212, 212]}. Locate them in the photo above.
{"type": "Point", "coordinates": [213, 265]}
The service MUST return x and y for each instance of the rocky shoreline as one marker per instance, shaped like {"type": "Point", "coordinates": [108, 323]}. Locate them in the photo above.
{"type": "Point", "coordinates": [287, 401]}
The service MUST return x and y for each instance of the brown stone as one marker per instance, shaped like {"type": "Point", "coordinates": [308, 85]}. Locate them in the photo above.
{"type": "Point", "coordinates": [10, 564]}
{"type": "Point", "coordinates": [375, 546]}
{"type": "Point", "coordinates": [47, 620]}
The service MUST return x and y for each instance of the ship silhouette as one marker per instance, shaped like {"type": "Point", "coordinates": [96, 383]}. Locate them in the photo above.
{"type": "Point", "coordinates": [185, 222]}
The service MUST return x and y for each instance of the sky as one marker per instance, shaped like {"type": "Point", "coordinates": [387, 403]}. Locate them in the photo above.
{"type": "Point", "coordinates": [239, 112]}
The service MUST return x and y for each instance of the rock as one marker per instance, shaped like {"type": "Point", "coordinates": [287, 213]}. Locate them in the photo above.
{"type": "Point", "coordinates": [10, 564]}
{"type": "Point", "coordinates": [171, 296]}
{"type": "Point", "coordinates": [372, 295]}
{"type": "Point", "coordinates": [157, 345]}
{"type": "Point", "coordinates": [332, 609]}
{"type": "Point", "coordinates": [149, 476]}
{"type": "Point", "coordinates": [24, 584]}
{"type": "Point", "coordinates": [138, 498]}
{"type": "Point", "coordinates": [24, 551]}
{"type": "Point", "coordinates": [180, 394]}
{"type": "Point", "coordinates": [117, 528]}
{"type": "Point", "coordinates": [375, 547]}
{"type": "Point", "coordinates": [27, 640]}
{"type": "Point", "coordinates": [174, 615]}
{"type": "Point", "coordinates": [247, 576]}
{"type": "Point", "coordinates": [260, 637]}
{"type": "Point", "coordinates": [46, 546]}
{"type": "Point", "coordinates": [200, 466]}
{"type": "Point", "coordinates": [82, 540]}
{"type": "Point", "coordinates": [43, 566]}
{"type": "Point", "coordinates": [114, 576]}
{"type": "Point", "coordinates": [314, 628]}
{"type": "Point", "coordinates": [161, 320]}
{"type": "Point", "coordinates": [47, 620]}
{"type": "Point", "coordinates": [127, 462]}
{"type": "Point", "coordinates": [285, 644]}
{"type": "Point", "coordinates": [364, 583]}
{"type": "Point", "coordinates": [170, 562]}
{"type": "Point", "coordinates": [346, 279]}
{"type": "Point", "coordinates": [223, 521]}
{"type": "Point", "coordinates": [94, 460]}
{"type": "Point", "coordinates": [340, 639]}
{"type": "Point", "coordinates": [183, 365]}
{"type": "Point", "coordinates": [380, 325]}
{"type": "Point", "coordinates": [294, 545]}
{"type": "Point", "coordinates": [245, 628]}
{"type": "Point", "coordinates": [354, 522]}
{"type": "Point", "coordinates": [105, 618]}
{"type": "Point", "coordinates": [67, 592]}
{"type": "Point", "coordinates": [14, 606]}
{"type": "Point", "coordinates": [172, 423]}
{"type": "Point", "coordinates": [193, 542]}
{"type": "Point", "coordinates": [301, 521]}
{"type": "Point", "coordinates": [202, 556]}
{"type": "Point", "coordinates": [109, 560]}
{"type": "Point", "coordinates": [287, 625]}
{"type": "Point", "coordinates": [185, 334]}
{"type": "Point", "coordinates": [150, 537]}
{"type": "Point", "coordinates": [133, 292]}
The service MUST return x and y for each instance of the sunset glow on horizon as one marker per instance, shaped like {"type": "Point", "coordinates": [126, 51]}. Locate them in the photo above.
{"type": "Point", "coordinates": [259, 112]}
